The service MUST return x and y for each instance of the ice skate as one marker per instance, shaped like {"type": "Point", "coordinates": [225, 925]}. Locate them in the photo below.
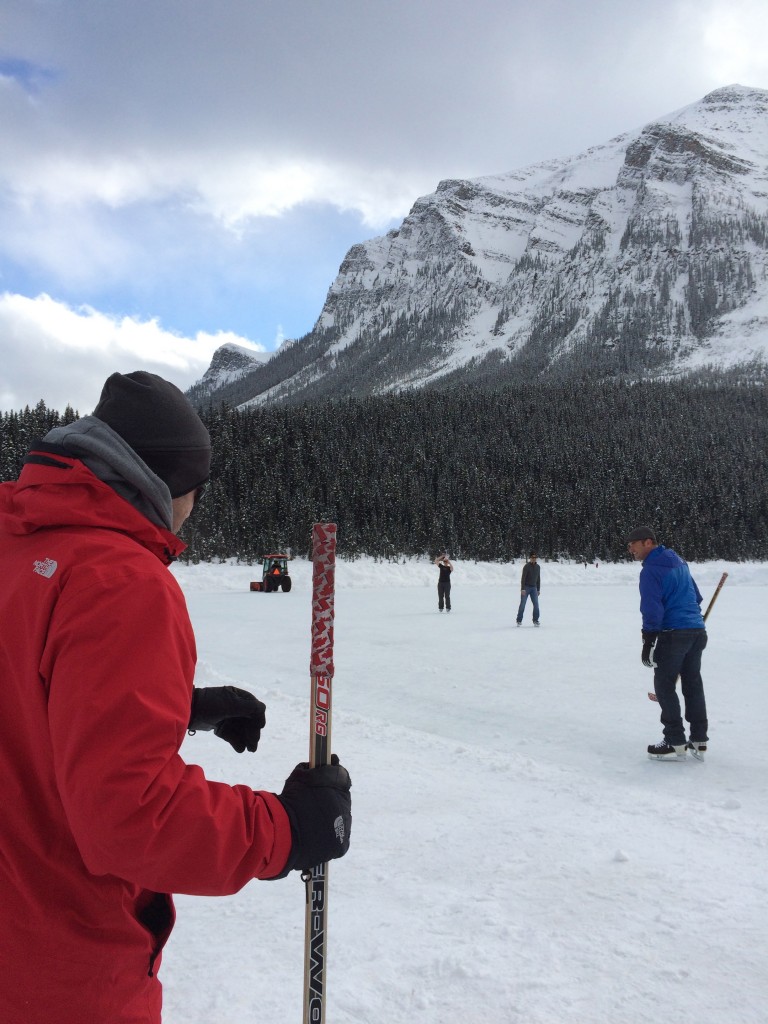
{"type": "Point", "coordinates": [663, 751]}
{"type": "Point", "coordinates": [698, 748]}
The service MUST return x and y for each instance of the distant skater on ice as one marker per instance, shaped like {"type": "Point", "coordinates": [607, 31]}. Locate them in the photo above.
{"type": "Point", "coordinates": [443, 563]}
{"type": "Point", "coordinates": [530, 586]}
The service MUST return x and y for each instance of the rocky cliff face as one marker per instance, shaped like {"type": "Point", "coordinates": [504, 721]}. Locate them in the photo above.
{"type": "Point", "coordinates": [230, 365]}
{"type": "Point", "coordinates": [648, 254]}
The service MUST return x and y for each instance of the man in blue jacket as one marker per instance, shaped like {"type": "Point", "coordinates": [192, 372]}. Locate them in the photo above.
{"type": "Point", "coordinates": [674, 637]}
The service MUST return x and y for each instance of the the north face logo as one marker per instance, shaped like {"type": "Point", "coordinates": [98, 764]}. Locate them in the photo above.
{"type": "Point", "coordinates": [338, 828]}
{"type": "Point", "coordinates": [47, 567]}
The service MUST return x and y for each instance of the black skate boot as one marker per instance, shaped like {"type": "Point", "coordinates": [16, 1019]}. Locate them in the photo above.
{"type": "Point", "coordinates": [663, 751]}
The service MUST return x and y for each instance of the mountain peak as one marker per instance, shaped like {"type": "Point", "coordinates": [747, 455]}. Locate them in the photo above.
{"type": "Point", "coordinates": [647, 254]}
{"type": "Point", "coordinates": [735, 94]}
{"type": "Point", "coordinates": [230, 364]}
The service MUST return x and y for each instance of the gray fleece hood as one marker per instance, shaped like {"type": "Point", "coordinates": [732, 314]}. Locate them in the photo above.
{"type": "Point", "coordinates": [113, 461]}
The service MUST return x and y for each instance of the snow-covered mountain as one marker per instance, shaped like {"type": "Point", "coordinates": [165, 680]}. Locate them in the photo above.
{"type": "Point", "coordinates": [646, 254]}
{"type": "Point", "coordinates": [230, 364]}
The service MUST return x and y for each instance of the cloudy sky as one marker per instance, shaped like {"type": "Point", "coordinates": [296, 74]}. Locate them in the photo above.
{"type": "Point", "coordinates": [179, 173]}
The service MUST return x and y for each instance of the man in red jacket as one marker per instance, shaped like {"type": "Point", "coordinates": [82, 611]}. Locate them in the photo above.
{"type": "Point", "coordinates": [102, 819]}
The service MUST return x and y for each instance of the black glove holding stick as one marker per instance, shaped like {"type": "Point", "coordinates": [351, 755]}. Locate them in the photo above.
{"type": "Point", "coordinates": [319, 807]}
{"type": "Point", "coordinates": [649, 641]}
{"type": "Point", "coordinates": [234, 715]}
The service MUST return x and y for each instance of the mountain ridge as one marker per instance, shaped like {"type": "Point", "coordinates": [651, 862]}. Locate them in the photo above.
{"type": "Point", "coordinates": [645, 255]}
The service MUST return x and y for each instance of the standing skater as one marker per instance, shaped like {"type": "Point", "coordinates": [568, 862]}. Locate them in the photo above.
{"type": "Point", "coordinates": [444, 582]}
{"type": "Point", "coordinates": [674, 637]}
{"type": "Point", "coordinates": [530, 586]}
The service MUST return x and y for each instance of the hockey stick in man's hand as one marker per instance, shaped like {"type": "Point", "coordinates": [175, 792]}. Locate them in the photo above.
{"type": "Point", "coordinates": [718, 588]}
{"type": "Point", "coordinates": [321, 676]}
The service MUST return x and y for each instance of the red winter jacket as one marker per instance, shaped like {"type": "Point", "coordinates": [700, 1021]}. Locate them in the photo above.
{"type": "Point", "coordinates": [101, 817]}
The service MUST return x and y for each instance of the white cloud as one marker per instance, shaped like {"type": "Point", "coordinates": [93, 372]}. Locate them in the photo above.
{"type": "Point", "coordinates": [62, 355]}
{"type": "Point", "coordinates": [735, 34]}
{"type": "Point", "coordinates": [248, 111]}
{"type": "Point", "coordinates": [154, 162]}
{"type": "Point", "coordinates": [248, 185]}
{"type": "Point", "coordinates": [251, 187]}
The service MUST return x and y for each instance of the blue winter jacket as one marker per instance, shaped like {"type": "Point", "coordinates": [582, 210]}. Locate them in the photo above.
{"type": "Point", "coordinates": [669, 597]}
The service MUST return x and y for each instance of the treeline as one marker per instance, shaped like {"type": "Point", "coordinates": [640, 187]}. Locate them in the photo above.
{"type": "Point", "coordinates": [18, 430]}
{"type": "Point", "coordinates": [486, 474]}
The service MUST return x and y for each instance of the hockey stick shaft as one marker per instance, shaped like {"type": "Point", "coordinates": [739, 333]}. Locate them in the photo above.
{"type": "Point", "coordinates": [718, 588]}
{"type": "Point", "coordinates": [321, 676]}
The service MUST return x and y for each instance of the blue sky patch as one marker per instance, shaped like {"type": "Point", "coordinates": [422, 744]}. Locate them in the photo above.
{"type": "Point", "coordinates": [31, 76]}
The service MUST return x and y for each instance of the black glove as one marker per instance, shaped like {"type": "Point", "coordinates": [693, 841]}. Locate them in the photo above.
{"type": "Point", "coordinates": [234, 715]}
{"type": "Point", "coordinates": [649, 639]}
{"type": "Point", "coordinates": [319, 807]}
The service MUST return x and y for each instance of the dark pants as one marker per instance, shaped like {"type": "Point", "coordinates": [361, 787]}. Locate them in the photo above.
{"type": "Point", "coordinates": [678, 653]}
{"type": "Point", "coordinates": [533, 593]}
{"type": "Point", "coordinates": [444, 594]}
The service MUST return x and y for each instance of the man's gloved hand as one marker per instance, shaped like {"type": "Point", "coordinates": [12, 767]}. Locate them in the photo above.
{"type": "Point", "coordinates": [319, 806]}
{"type": "Point", "coordinates": [649, 639]}
{"type": "Point", "coordinates": [233, 714]}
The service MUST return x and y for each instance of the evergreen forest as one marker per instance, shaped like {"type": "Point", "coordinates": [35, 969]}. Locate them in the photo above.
{"type": "Point", "coordinates": [487, 474]}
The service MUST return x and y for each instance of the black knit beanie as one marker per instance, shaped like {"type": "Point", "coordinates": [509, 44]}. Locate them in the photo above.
{"type": "Point", "coordinates": [160, 423]}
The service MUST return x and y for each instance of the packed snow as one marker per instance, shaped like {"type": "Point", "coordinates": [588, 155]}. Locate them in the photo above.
{"type": "Point", "coordinates": [516, 858]}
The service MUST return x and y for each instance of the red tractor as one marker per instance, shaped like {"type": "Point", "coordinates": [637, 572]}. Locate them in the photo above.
{"type": "Point", "coordinates": [274, 575]}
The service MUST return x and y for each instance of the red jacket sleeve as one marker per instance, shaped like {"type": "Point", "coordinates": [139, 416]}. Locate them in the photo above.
{"type": "Point", "coordinates": [119, 663]}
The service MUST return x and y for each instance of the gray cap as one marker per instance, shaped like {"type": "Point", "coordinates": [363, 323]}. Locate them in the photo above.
{"type": "Point", "coordinates": [642, 533]}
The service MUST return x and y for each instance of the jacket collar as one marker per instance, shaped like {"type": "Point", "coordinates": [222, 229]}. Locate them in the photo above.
{"type": "Point", "coordinates": [58, 490]}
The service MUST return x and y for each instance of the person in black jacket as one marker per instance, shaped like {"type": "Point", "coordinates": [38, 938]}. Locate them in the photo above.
{"type": "Point", "coordinates": [443, 563]}
{"type": "Point", "coordinates": [530, 586]}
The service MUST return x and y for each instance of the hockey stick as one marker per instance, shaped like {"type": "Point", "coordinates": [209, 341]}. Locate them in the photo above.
{"type": "Point", "coordinates": [321, 675]}
{"type": "Point", "coordinates": [718, 588]}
